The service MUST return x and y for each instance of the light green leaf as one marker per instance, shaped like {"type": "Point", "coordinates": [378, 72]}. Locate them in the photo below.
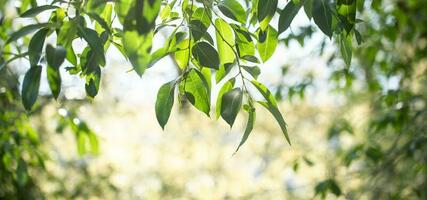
{"type": "Point", "coordinates": [67, 33]}
{"type": "Point", "coordinates": [249, 125]}
{"type": "Point", "coordinates": [233, 10]}
{"type": "Point", "coordinates": [206, 55]}
{"type": "Point", "coordinates": [36, 10]}
{"type": "Point", "coordinates": [182, 54]}
{"type": "Point", "coordinates": [288, 14]}
{"type": "Point", "coordinates": [231, 104]}
{"type": "Point", "coordinates": [224, 35]}
{"type": "Point", "coordinates": [164, 102]}
{"type": "Point", "coordinates": [54, 80]}
{"type": "Point", "coordinates": [345, 43]}
{"type": "Point", "coordinates": [30, 86]}
{"type": "Point", "coordinates": [245, 45]}
{"type": "Point", "coordinates": [271, 106]}
{"type": "Point", "coordinates": [347, 13]}
{"type": "Point", "coordinates": [267, 42]}
{"type": "Point", "coordinates": [35, 46]}
{"type": "Point", "coordinates": [322, 16]}
{"type": "Point", "coordinates": [195, 88]}
{"type": "Point", "coordinates": [137, 48]}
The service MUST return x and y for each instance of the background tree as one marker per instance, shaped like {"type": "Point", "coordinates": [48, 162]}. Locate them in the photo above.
{"type": "Point", "coordinates": [223, 43]}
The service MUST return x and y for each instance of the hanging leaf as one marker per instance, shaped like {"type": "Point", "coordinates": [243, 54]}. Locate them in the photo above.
{"type": "Point", "coordinates": [267, 42]}
{"type": "Point", "coordinates": [249, 124]}
{"type": "Point", "coordinates": [206, 55]}
{"type": "Point", "coordinates": [308, 8]}
{"type": "Point", "coordinates": [67, 33]}
{"type": "Point", "coordinates": [245, 45]}
{"type": "Point", "coordinates": [288, 14]}
{"type": "Point", "coordinates": [27, 30]}
{"type": "Point", "coordinates": [32, 12]}
{"type": "Point", "coordinates": [35, 46]}
{"type": "Point", "coordinates": [54, 80]}
{"type": "Point", "coordinates": [266, 11]}
{"type": "Point", "coordinates": [92, 81]}
{"type": "Point", "coordinates": [224, 38]}
{"type": "Point", "coordinates": [322, 16]}
{"type": "Point", "coordinates": [137, 48]}
{"type": "Point", "coordinates": [224, 89]}
{"type": "Point", "coordinates": [347, 13]}
{"type": "Point", "coordinates": [345, 47]}
{"type": "Point", "coordinates": [95, 43]}
{"type": "Point", "coordinates": [195, 88]}
{"type": "Point", "coordinates": [164, 103]}
{"type": "Point", "coordinates": [231, 103]}
{"type": "Point", "coordinates": [233, 10]}
{"type": "Point", "coordinates": [55, 56]}
{"type": "Point", "coordinates": [271, 105]}
{"type": "Point", "coordinates": [182, 54]}
{"type": "Point", "coordinates": [30, 86]}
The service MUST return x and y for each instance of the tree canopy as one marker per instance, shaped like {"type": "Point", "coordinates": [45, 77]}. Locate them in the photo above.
{"type": "Point", "coordinates": [225, 43]}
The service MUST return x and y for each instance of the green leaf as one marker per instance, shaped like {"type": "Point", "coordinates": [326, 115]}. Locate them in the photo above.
{"type": "Point", "coordinates": [347, 13]}
{"type": "Point", "coordinates": [30, 86]}
{"type": "Point", "coordinates": [36, 10]}
{"type": "Point", "coordinates": [22, 173]}
{"type": "Point", "coordinates": [288, 14]}
{"type": "Point", "coordinates": [271, 106]}
{"type": "Point", "coordinates": [67, 33]}
{"type": "Point", "coordinates": [266, 10]}
{"type": "Point", "coordinates": [245, 45]}
{"type": "Point", "coordinates": [92, 82]}
{"type": "Point", "coordinates": [225, 88]}
{"type": "Point", "coordinates": [195, 88]}
{"type": "Point", "coordinates": [100, 22]}
{"type": "Point", "coordinates": [27, 30]}
{"type": "Point", "coordinates": [206, 55]}
{"type": "Point", "coordinates": [322, 16]}
{"type": "Point", "coordinates": [95, 43]}
{"type": "Point", "coordinates": [55, 56]}
{"type": "Point", "coordinates": [54, 80]}
{"type": "Point", "coordinates": [267, 42]}
{"type": "Point", "coordinates": [231, 104]}
{"type": "Point", "coordinates": [224, 35]}
{"type": "Point", "coordinates": [345, 48]}
{"type": "Point", "coordinates": [137, 48]}
{"type": "Point", "coordinates": [254, 71]}
{"type": "Point", "coordinates": [182, 54]}
{"type": "Point", "coordinates": [35, 46]}
{"type": "Point", "coordinates": [308, 8]}
{"type": "Point", "coordinates": [233, 10]}
{"type": "Point", "coordinates": [164, 103]}
{"type": "Point", "coordinates": [249, 125]}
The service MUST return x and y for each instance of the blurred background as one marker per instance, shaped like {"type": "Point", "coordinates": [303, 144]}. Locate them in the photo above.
{"type": "Point", "coordinates": [357, 132]}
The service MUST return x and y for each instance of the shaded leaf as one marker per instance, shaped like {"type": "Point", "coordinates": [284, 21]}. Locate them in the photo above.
{"type": "Point", "coordinates": [231, 103]}
{"type": "Point", "coordinates": [206, 55]}
{"type": "Point", "coordinates": [164, 102]}
{"type": "Point", "coordinates": [35, 46]}
{"type": "Point", "coordinates": [30, 86]}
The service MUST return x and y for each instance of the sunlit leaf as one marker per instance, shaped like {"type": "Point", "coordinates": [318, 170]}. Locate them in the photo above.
{"type": "Point", "coordinates": [249, 125]}
{"type": "Point", "coordinates": [196, 90]}
{"type": "Point", "coordinates": [267, 42]}
{"type": "Point", "coordinates": [233, 10]}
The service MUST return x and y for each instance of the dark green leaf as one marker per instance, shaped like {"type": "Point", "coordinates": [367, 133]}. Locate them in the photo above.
{"type": "Point", "coordinates": [30, 86]}
{"type": "Point", "coordinates": [254, 71]}
{"type": "Point", "coordinates": [35, 46]}
{"type": "Point", "coordinates": [231, 103]}
{"type": "Point", "coordinates": [67, 33]}
{"type": "Point", "coordinates": [266, 10]}
{"type": "Point", "coordinates": [225, 88]}
{"type": "Point", "coordinates": [27, 30]}
{"type": "Point", "coordinates": [206, 55]}
{"type": "Point", "coordinates": [95, 43]}
{"type": "Point", "coordinates": [347, 13]}
{"type": "Point", "coordinates": [55, 56]}
{"type": "Point", "coordinates": [322, 16]}
{"type": "Point", "coordinates": [164, 103]}
{"type": "Point", "coordinates": [345, 48]}
{"type": "Point", "coordinates": [36, 10]}
{"type": "Point", "coordinates": [288, 14]}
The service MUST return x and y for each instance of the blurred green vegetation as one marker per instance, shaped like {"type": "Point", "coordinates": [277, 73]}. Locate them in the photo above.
{"type": "Point", "coordinates": [373, 144]}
